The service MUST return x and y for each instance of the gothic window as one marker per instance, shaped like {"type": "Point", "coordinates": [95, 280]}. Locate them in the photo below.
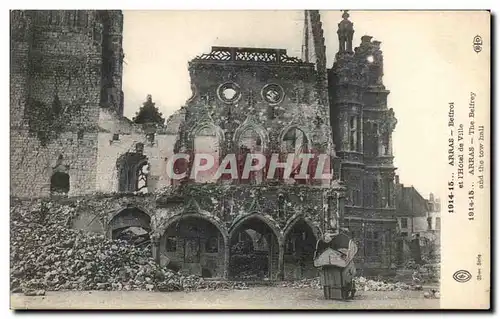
{"type": "Point", "coordinates": [206, 142]}
{"type": "Point", "coordinates": [142, 176]}
{"type": "Point", "coordinates": [438, 223]}
{"type": "Point", "coordinates": [250, 143]}
{"type": "Point", "coordinates": [353, 133]}
{"type": "Point", "coordinates": [294, 141]}
{"type": "Point", "coordinates": [59, 183]}
{"type": "Point", "coordinates": [133, 171]}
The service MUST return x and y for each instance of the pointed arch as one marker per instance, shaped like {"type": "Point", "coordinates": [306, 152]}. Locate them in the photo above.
{"type": "Point", "coordinates": [112, 214]}
{"type": "Point", "coordinates": [196, 242]}
{"type": "Point", "coordinates": [133, 171]}
{"type": "Point", "coordinates": [297, 218]}
{"type": "Point", "coordinates": [206, 139]}
{"type": "Point", "coordinates": [204, 216]}
{"type": "Point", "coordinates": [208, 125]}
{"type": "Point", "coordinates": [127, 217]}
{"type": "Point", "coordinates": [256, 215]}
{"type": "Point", "coordinates": [290, 128]}
{"type": "Point", "coordinates": [250, 125]}
{"type": "Point", "coordinates": [300, 240]}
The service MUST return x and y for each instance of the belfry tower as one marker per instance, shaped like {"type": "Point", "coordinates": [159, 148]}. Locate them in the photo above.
{"type": "Point", "coordinates": [362, 126]}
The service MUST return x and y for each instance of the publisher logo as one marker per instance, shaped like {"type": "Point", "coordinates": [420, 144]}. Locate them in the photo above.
{"type": "Point", "coordinates": [462, 276]}
{"type": "Point", "coordinates": [477, 44]}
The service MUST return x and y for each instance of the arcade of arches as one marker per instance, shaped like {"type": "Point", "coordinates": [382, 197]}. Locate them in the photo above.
{"type": "Point", "coordinates": [252, 249]}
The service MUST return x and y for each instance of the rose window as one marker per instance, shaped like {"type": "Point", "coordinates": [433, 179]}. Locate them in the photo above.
{"type": "Point", "coordinates": [273, 93]}
{"type": "Point", "coordinates": [229, 92]}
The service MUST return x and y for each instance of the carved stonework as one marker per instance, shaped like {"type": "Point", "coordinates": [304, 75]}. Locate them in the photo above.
{"type": "Point", "coordinates": [389, 122]}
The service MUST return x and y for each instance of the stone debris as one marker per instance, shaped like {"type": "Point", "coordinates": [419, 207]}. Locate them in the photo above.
{"type": "Point", "coordinates": [362, 284]}
{"type": "Point", "coordinates": [47, 255]}
{"type": "Point", "coordinates": [432, 294]}
{"type": "Point", "coordinates": [303, 283]}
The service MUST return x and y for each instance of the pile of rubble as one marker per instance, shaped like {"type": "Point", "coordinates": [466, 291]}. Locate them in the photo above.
{"type": "Point", "coordinates": [363, 284]}
{"type": "Point", "coordinates": [46, 254]}
{"type": "Point", "coordinates": [303, 283]}
{"type": "Point", "coordinates": [220, 285]}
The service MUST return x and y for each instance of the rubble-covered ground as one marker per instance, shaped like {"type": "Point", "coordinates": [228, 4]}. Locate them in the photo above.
{"type": "Point", "coordinates": [363, 284]}
{"type": "Point", "coordinates": [46, 254]}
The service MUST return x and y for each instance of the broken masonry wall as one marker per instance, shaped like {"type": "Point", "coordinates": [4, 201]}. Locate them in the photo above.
{"type": "Point", "coordinates": [32, 165]}
{"type": "Point", "coordinates": [54, 101]}
{"type": "Point", "coordinates": [111, 150]}
{"type": "Point", "coordinates": [119, 136]}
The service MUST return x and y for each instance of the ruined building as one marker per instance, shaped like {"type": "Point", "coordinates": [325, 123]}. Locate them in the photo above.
{"type": "Point", "coordinates": [69, 138]}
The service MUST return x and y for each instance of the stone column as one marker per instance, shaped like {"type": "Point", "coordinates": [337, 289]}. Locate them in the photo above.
{"type": "Point", "coordinates": [155, 246]}
{"type": "Point", "coordinates": [226, 259]}
{"type": "Point", "coordinates": [270, 255]}
{"type": "Point", "coordinates": [281, 261]}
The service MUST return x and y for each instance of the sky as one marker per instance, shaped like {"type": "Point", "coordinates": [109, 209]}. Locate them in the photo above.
{"type": "Point", "coordinates": [426, 57]}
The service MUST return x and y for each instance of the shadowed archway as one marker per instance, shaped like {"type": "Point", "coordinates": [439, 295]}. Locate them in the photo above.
{"type": "Point", "coordinates": [254, 249]}
{"type": "Point", "coordinates": [131, 224]}
{"type": "Point", "coordinates": [194, 244]}
{"type": "Point", "coordinates": [300, 240]}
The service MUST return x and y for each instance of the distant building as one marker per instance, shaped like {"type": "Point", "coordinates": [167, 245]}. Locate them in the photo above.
{"type": "Point", "coordinates": [418, 218]}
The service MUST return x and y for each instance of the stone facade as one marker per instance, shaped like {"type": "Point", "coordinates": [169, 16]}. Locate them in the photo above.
{"type": "Point", "coordinates": [67, 66]}
{"type": "Point", "coordinates": [363, 126]}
